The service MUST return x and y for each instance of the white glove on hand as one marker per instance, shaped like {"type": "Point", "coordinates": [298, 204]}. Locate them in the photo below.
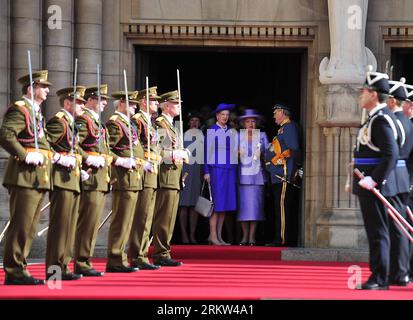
{"type": "Point", "coordinates": [127, 163]}
{"type": "Point", "coordinates": [367, 183]}
{"type": "Point", "coordinates": [148, 167]}
{"type": "Point", "coordinates": [182, 155]}
{"type": "Point", "coordinates": [67, 161]}
{"type": "Point", "coordinates": [95, 161]}
{"type": "Point", "coordinates": [35, 158]}
{"type": "Point", "coordinates": [84, 175]}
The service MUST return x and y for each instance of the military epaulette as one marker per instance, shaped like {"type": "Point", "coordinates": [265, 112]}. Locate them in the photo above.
{"type": "Point", "coordinates": [114, 117]}
{"type": "Point", "coordinates": [60, 115]}
{"type": "Point", "coordinates": [159, 119]}
{"type": "Point", "coordinates": [137, 116]}
{"type": "Point", "coordinates": [20, 103]}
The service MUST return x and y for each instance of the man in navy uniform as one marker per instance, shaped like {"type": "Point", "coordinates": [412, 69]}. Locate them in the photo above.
{"type": "Point", "coordinates": [281, 160]}
{"type": "Point", "coordinates": [399, 243]}
{"type": "Point", "coordinates": [376, 153]}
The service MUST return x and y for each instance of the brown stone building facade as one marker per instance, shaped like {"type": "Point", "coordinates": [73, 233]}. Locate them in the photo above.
{"type": "Point", "coordinates": [331, 40]}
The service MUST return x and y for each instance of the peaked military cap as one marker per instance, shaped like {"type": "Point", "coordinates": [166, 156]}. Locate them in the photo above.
{"type": "Point", "coordinates": [68, 93]}
{"type": "Point", "coordinates": [281, 106]}
{"type": "Point", "coordinates": [398, 89]}
{"type": "Point", "coordinates": [120, 95]}
{"type": "Point", "coordinates": [376, 81]}
{"type": "Point", "coordinates": [153, 94]}
{"type": "Point", "coordinates": [172, 96]}
{"type": "Point", "coordinates": [39, 77]}
{"type": "Point", "coordinates": [93, 91]}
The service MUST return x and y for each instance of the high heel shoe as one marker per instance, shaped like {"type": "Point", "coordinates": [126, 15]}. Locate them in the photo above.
{"type": "Point", "coordinates": [251, 244]}
{"type": "Point", "coordinates": [223, 243]}
{"type": "Point", "coordinates": [214, 243]}
{"type": "Point", "coordinates": [243, 243]}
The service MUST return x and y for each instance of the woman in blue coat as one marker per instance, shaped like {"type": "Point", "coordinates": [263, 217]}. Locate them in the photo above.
{"type": "Point", "coordinates": [221, 169]}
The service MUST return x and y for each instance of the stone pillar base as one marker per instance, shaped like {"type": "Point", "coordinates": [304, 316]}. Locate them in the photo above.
{"type": "Point", "coordinates": [341, 228]}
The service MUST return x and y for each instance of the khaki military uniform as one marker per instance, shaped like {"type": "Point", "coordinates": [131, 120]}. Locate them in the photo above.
{"type": "Point", "coordinates": [92, 199]}
{"type": "Point", "coordinates": [142, 222]}
{"type": "Point", "coordinates": [167, 196]}
{"type": "Point", "coordinates": [27, 184]}
{"type": "Point", "coordinates": [125, 189]}
{"type": "Point", "coordinates": [65, 197]}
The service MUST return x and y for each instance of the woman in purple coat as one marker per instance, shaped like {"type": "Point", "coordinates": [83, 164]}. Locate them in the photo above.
{"type": "Point", "coordinates": [221, 170]}
{"type": "Point", "coordinates": [251, 176]}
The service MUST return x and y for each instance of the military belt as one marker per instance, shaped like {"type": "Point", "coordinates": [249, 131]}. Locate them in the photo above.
{"type": "Point", "coordinates": [374, 161]}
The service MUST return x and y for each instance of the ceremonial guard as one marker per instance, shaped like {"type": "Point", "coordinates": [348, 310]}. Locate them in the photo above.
{"type": "Point", "coordinates": [94, 148]}
{"type": "Point", "coordinates": [375, 154]}
{"type": "Point", "coordinates": [27, 175]}
{"type": "Point", "coordinates": [65, 196]}
{"type": "Point", "coordinates": [170, 180]}
{"type": "Point", "coordinates": [127, 173]}
{"type": "Point", "coordinates": [281, 160]}
{"type": "Point", "coordinates": [139, 240]}
{"type": "Point", "coordinates": [399, 244]}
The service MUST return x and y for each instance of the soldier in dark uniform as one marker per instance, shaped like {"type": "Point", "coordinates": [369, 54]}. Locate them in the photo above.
{"type": "Point", "coordinates": [26, 177]}
{"type": "Point", "coordinates": [170, 181]}
{"type": "Point", "coordinates": [399, 248]}
{"type": "Point", "coordinates": [94, 148]}
{"type": "Point", "coordinates": [281, 160]}
{"type": "Point", "coordinates": [127, 170]}
{"type": "Point", "coordinates": [408, 112]}
{"type": "Point", "coordinates": [142, 222]}
{"type": "Point", "coordinates": [376, 153]}
{"type": "Point", "coordinates": [65, 197]}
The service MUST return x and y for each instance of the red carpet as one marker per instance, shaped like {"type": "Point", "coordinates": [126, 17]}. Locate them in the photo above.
{"type": "Point", "coordinates": [210, 272]}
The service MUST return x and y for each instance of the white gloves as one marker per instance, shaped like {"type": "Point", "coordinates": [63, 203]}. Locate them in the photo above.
{"type": "Point", "coordinates": [95, 161]}
{"type": "Point", "coordinates": [65, 161]}
{"type": "Point", "coordinates": [367, 183]}
{"type": "Point", "coordinates": [35, 158]}
{"type": "Point", "coordinates": [84, 175]}
{"type": "Point", "coordinates": [148, 167]}
{"type": "Point", "coordinates": [181, 155]}
{"type": "Point", "coordinates": [127, 163]}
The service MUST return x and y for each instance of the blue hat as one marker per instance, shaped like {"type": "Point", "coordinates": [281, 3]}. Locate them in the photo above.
{"type": "Point", "coordinates": [250, 113]}
{"type": "Point", "coordinates": [224, 106]}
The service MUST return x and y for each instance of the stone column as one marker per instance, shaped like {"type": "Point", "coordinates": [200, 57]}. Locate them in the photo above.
{"type": "Point", "coordinates": [57, 51]}
{"type": "Point", "coordinates": [340, 225]}
{"type": "Point", "coordinates": [26, 34]}
{"type": "Point", "coordinates": [88, 39]}
{"type": "Point", "coordinates": [349, 56]}
{"type": "Point", "coordinates": [112, 70]}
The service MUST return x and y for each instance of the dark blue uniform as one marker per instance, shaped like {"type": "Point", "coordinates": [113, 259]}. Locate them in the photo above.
{"type": "Point", "coordinates": [399, 251]}
{"type": "Point", "coordinates": [376, 155]}
{"type": "Point", "coordinates": [281, 159]}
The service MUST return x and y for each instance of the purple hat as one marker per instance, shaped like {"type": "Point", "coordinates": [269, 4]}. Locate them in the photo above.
{"type": "Point", "coordinates": [250, 113]}
{"type": "Point", "coordinates": [224, 106]}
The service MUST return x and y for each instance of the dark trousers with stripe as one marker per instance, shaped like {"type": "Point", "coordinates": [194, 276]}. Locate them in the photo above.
{"type": "Point", "coordinates": [399, 243]}
{"type": "Point", "coordinates": [376, 223]}
{"type": "Point", "coordinates": [286, 223]}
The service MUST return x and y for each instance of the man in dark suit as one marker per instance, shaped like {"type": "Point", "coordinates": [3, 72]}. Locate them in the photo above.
{"type": "Point", "coordinates": [376, 153]}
